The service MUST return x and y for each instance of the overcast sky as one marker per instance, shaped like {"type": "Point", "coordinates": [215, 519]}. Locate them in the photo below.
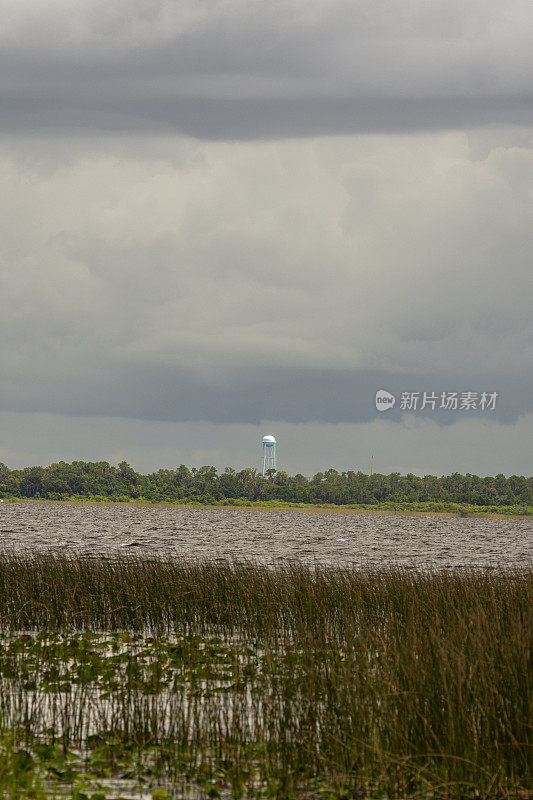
{"type": "Point", "coordinates": [232, 217]}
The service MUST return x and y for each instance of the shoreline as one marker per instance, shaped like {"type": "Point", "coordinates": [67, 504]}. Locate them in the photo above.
{"type": "Point", "coordinates": [462, 511]}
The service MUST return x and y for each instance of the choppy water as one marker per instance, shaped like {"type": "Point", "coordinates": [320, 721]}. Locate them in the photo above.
{"type": "Point", "coordinates": [268, 536]}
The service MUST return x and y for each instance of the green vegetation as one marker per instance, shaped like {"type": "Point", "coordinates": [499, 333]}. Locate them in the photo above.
{"type": "Point", "coordinates": [236, 680]}
{"type": "Point", "coordinates": [101, 481]}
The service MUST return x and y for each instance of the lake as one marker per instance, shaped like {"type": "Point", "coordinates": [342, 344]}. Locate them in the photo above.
{"type": "Point", "coordinates": [268, 536]}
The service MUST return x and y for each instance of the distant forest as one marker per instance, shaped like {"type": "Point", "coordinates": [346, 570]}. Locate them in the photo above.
{"type": "Point", "coordinates": [102, 481]}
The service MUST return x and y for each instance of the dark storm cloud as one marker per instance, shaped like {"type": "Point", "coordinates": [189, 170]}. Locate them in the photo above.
{"type": "Point", "coordinates": [259, 69]}
{"type": "Point", "coordinates": [251, 395]}
{"type": "Point", "coordinates": [252, 118]}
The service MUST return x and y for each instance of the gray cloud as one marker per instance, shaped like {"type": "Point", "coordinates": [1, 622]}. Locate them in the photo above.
{"type": "Point", "coordinates": [222, 213]}
{"type": "Point", "coordinates": [286, 280]}
{"type": "Point", "coordinates": [481, 447]}
{"type": "Point", "coordinates": [145, 392]}
{"type": "Point", "coordinates": [257, 69]}
{"type": "Point", "coordinates": [263, 119]}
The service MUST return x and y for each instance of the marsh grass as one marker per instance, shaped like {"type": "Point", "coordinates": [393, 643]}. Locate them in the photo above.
{"type": "Point", "coordinates": [277, 682]}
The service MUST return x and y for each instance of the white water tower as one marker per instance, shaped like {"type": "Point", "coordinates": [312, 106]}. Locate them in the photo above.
{"type": "Point", "coordinates": [269, 454]}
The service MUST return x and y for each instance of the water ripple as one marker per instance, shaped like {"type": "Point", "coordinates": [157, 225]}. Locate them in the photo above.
{"type": "Point", "coordinates": [268, 536]}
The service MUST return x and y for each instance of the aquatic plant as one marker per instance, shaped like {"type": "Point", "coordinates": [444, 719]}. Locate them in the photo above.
{"type": "Point", "coordinates": [236, 678]}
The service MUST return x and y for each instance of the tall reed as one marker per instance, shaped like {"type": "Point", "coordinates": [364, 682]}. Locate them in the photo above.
{"type": "Point", "coordinates": [391, 681]}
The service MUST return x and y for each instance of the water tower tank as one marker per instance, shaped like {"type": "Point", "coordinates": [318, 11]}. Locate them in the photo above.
{"type": "Point", "coordinates": [269, 454]}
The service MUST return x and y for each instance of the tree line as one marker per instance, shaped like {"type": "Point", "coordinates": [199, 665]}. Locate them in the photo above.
{"type": "Point", "coordinates": [103, 481]}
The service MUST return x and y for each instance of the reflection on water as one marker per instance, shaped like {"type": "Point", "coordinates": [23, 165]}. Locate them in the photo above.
{"type": "Point", "coordinates": [267, 536]}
